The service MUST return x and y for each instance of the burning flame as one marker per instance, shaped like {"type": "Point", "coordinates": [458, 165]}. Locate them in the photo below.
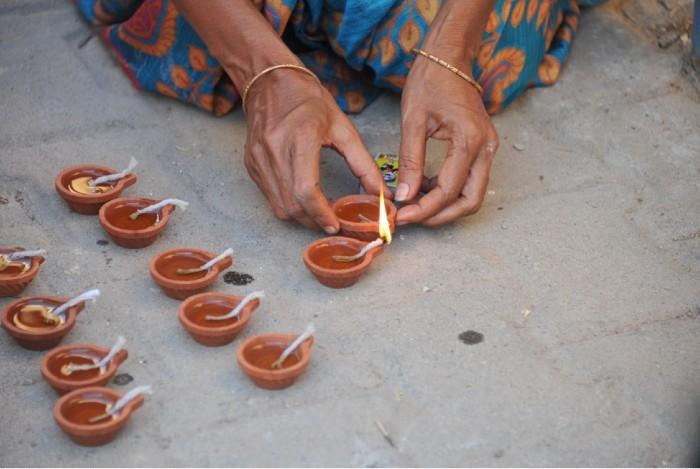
{"type": "Point", "coordinates": [384, 228]}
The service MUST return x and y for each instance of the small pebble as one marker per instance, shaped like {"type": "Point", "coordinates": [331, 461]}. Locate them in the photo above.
{"type": "Point", "coordinates": [426, 289]}
{"type": "Point", "coordinates": [518, 147]}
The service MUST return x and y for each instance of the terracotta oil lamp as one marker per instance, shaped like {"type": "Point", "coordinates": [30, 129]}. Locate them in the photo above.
{"type": "Point", "coordinates": [339, 261]}
{"type": "Point", "coordinates": [76, 366]}
{"type": "Point", "coordinates": [87, 187]}
{"type": "Point", "coordinates": [94, 415]}
{"type": "Point", "coordinates": [183, 272]}
{"type": "Point", "coordinates": [275, 361]}
{"type": "Point", "coordinates": [215, 319]}
{"type": "Point", "coordinates": [359, 215]}
{"type": "Point", "coordinates": [136, 222]}
{"type": "Point", "coordinates": [41, 322]}
{"type": "Point", "coordinates": [17, 269]}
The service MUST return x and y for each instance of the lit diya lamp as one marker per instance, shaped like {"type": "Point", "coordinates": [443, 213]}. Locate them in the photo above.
{"type": "Point", "coordinates": [215, 319]}
{"type": "Point", "coordinates": [94, 415]}
{"type": "Point", "coordinates": [359, 215]}
{"type": "Point", "coordinates": [275, 361]}
{"type": "Point", "coordinates": [183, 272]}
{"type": "Point", "coordinates": [339, 261]}
{"type": "Point", "coordinates": [17, 269]}
{"type": "Point", "coordinates": [87, 187]}
{"type": "Point", "coordinates": [135, 222]}
{"type": "Point", "coordinates": [81, 365]}
{"type": "Point", "coordinates": [40, 322]}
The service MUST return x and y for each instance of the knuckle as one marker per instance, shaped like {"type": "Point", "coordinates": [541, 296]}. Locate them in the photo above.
{"type": "Point", "coordinates": [303, 191]}
{"type": "Point", "coordinates": [281, 214]}
{"type": "Point", "coordinates": [409, 163]}
{"type": "Point", "coordinates": [473, 206]}
{"type": "Point", "coordinates": [295, 211]}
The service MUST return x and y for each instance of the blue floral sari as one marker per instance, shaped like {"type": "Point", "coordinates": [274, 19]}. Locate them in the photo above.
{"type": "Point", "coordinates": [356, 47]}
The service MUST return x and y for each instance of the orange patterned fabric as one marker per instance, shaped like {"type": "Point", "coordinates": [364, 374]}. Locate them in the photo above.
{"type": "Point", "coordinates": [356, 47]}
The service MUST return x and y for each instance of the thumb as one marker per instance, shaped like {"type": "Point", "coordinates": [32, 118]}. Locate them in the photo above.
{"type": "Point", "coordinates": [411, 160]}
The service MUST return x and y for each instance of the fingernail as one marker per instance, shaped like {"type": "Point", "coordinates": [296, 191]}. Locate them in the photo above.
{"type": "Point", "coordinates": [330, 229]}
{"type": "Point", "coordinates": [401, 192]}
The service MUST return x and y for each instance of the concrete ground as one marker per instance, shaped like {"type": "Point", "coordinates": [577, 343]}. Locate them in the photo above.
{"type": "Point", "coordinates": [594, 227]}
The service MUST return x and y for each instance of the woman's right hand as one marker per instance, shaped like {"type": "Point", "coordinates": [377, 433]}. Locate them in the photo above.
{"type": "Point", "coordinates": [290, 118]}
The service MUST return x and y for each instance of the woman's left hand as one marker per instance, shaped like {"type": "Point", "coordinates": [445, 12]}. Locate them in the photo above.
{"type": "Point", "coordinates": [438, 103]}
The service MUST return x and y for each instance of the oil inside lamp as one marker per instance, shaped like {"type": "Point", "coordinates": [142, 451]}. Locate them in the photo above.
{"type": "Point", "coordinates": [17, 262]}
{"type": "Point", "coordinates": [45, 315]}
{"type": "Point", "coordinates": [109, 409]}
{"type": "Point", "coordinates": [99, 185]}
{"type": "Point", "coordinates": [384, 235]}
{"type": "Point", "coordinates": [69, 368]}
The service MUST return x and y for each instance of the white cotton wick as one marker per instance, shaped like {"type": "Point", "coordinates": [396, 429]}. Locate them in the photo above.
{"type": "Point", "coordinates": [155, 207]}
{"type": "Point", "coordinates": [113, 177]}
{"type": "Point", "coordinates": [22, 254]}
{"type": "Point", "coordinates": [308, 332]}
{"type": "Point", "coordinates": [369, 246]}
{"type": "Point", "coordinates": [90, 295]}
{"type": "Point", "coordinates": [128, 397]}
{"type": "Point", "coordinates": [227, 253]}
{"type": "Point", "coordinates": [256, 295]}
{"type": "Point", "coordinates": [119, 344]}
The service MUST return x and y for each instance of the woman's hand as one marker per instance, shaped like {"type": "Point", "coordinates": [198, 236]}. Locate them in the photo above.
{"type": "Point", "coordinates": [437, 103]}
{"type": "Point", "coordinates": [290, 117]}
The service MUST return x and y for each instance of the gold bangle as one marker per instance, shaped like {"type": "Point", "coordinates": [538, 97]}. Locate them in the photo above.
{"type": "Point", "coordinates": [449, 67]}
{"type": "Point", "coordinates": [252, 81]}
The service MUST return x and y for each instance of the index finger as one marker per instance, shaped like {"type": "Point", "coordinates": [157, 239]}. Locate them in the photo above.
{"type": "Point", "coordinates": [306, 157]}
{"type": "Point", "coordinates": [346, 139]}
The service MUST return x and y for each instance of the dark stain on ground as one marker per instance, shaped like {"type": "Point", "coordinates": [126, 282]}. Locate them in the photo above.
{"type": "Point", "coordinates": [102, 242]}
{"type": "Point", "coordinates": [122, 379]}
{"type": "Point", "coordinates": [237, 278]}
{"type": "Point", "coordinates": [471, 337]}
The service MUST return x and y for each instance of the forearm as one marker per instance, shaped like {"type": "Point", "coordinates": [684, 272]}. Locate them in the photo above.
{"type": "Point", "coordinates": [455, 33]}
{"type": "Point", "coordinates": [238, 36]}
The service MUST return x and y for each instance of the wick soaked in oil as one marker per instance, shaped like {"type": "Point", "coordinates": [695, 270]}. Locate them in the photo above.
{"type": "Point", "coordinates": [81, 185]}
{"type": "Point", "coordinates": [264, 355]}
{"type": "Point", "coordinates": [120, 216]}
{"type": "Point", "coordinates": [36, 317]}
{"type": "Point", "coordinates": [89, 410]}
{"type": "Point", "coordinates": [59, 365]}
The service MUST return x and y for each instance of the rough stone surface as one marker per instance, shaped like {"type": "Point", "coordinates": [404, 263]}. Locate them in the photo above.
{"type": "Point", "coordinates": [593, 227]}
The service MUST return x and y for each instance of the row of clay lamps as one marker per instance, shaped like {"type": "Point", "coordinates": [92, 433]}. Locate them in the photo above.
{"type": "Point", "coordinates": [358, 215]}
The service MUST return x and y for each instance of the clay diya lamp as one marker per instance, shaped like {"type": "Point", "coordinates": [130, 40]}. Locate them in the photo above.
{"type": "Point", "coordinates": [40, 322]}
{"type": "Point", "coordinates": [81, 365]}
{"type": "Point", "coordinates": [87, 187]}
{"type": "Point", "coordinates": [359, 215]}
{"type": "Point", "coordinates": [320, 257]}
{"type": "Point", "coordinates": [275, 361]}
{"type": "Point", "coordinates": [183, 272]}
{"type": "Point", "coordinates": [94, 415]}
{"type": "Point", "coordinates": [136, 222]}
{"type": "Point", "coordinates": [17, 269]}
{"type": "Point", "coordinates": [214, 319]}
